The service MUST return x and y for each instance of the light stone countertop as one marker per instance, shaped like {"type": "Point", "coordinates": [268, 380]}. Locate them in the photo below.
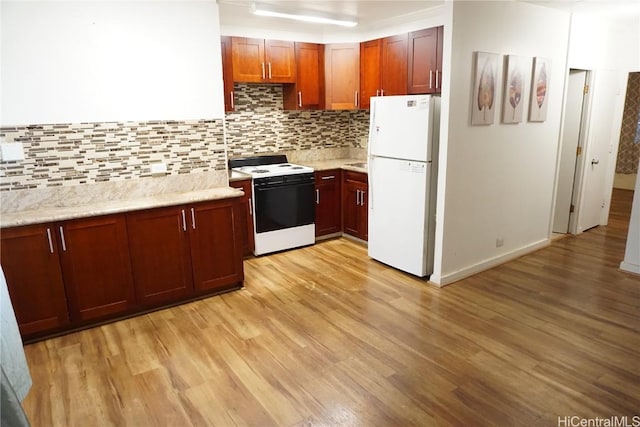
{"type": "Point", "coordinates": [39, 216]}
{"type": "Point", "coordinates": [62, 213]}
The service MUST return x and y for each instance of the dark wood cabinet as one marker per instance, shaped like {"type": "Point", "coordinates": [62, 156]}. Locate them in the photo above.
{"type": "Point", "coordinates": [328, 202]}
{"type": "Point", "coordinates": [159, 246]}
{"type": "Point", "coordinates": [29, 258]}
{"type": "Point", "coordinates": [342, 76]}
{"type": "Point", "coordinates": [425, 61]}
{"type": "Point", "coordinates": [262, 61]}
{"type": "Point", "coordinates": [355, 204]}
{"type": "Point", "coordinates": [383, 68]}
{"type": "Point", "coordinates": [370, 82]}
{"type": "Point", "coordinates": [308, 91]}
{"type": "Point", "coordinates": [216, 252]}
{"type": "Point", "coordinates": [246, 216]}
{"type": "Point", "coordinates": [177, 251]}
{"type": "Point", "coordinates": [227, 73]}
{"type": "Point", "coordinates": [96, 267]}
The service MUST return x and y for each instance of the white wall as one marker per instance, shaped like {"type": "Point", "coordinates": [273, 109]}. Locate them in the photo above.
{"type": "Point", "coordinates": [498, 180]}
{"type": "Point", "coordinates": [631, 260]}
{"type": "Point", "coordinates": [73, 61]}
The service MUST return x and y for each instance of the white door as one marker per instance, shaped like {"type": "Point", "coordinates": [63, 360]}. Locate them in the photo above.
{"type": "Point", "coordinates": [401, 127]}
{"type": "Point", "coordinates": [398, 206]}
{"type": "Point", "coordinates": [603, 133]}
{"type": "Point", "coordinates": [573, 114]}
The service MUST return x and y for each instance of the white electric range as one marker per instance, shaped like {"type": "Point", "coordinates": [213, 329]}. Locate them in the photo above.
{"type": "Point", "coordinates": [283, 202]}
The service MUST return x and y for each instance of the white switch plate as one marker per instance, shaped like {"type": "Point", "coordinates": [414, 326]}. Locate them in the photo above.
{"type": "Point", "coordinates": [158, 168]}
{"type": "Point", "coordinates": [12, 151]}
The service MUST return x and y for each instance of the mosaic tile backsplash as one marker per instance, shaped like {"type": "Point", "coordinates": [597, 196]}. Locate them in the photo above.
{"type": "Point", "coordinates": [88, 153]}
{"type": "Point", "coordinates": [628, 150]}
{"type": "Point", "coordinates": [260, 125]}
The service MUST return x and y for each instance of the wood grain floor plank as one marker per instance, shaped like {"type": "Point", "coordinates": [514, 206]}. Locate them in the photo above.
{"type": "Point", "coordinates": [325, 336]}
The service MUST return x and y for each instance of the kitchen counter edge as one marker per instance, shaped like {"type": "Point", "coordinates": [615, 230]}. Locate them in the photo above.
{"type": "Point", "coordinates": [54, 214]}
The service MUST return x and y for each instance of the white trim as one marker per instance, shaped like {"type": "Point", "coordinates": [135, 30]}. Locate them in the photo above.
{"type": "Point", "coordinates": [630, 267]}
{"type": "Point", "coordinates": [449, 278]}
{"type": "Point", "coordinates": [287, 238]}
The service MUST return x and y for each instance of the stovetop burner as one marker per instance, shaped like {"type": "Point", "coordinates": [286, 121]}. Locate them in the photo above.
{"type": "Point", "coordinates": [267, 166]}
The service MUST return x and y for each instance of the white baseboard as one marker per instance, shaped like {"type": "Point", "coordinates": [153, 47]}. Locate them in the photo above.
{"type": "Point", "coordinates": [630, 267]}
{"type": "Point", "coordinates": [447, 279]}
{"type": "Point", "coordinates": [625, 181]}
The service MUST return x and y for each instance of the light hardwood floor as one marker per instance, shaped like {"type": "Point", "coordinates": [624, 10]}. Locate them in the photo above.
{"type": "Point", "coordinates": [324, 336]}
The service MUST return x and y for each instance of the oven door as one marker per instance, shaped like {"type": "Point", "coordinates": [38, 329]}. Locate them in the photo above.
{"type": "Point", "coordinates": [284, 202]}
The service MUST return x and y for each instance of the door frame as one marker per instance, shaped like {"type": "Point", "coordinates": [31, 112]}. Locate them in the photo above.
{"type": "Point", "coordinates": [583, 138]}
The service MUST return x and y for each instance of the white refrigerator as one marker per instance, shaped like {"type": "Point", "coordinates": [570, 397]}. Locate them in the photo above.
{"type": "Point", "coordinates": [403, 143]}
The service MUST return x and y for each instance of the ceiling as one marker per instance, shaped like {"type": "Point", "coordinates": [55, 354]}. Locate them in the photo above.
{"type": "Point", "coordinates": [372, 12]}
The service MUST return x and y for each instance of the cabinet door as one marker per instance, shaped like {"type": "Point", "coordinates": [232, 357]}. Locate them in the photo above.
{"type": "Point", "coordinates": [393, 71]}
{"type": "Point", "coordinates": [96, 266]}
{"type": "Point", "coordinates": [423, 61]}
{"type": "Point", "coordinates": [370, 60]}
{"type": "Point", "coordinates": [363, 214]}
{"type": "Point", "coordinates": [308, 92]}
{"type": "Point", "coordinates": [227, 72]}
{"type": "Point", "coordinates": [246, 217]}
{"type": "Point", "coordinates": [280, 61]}
{"type": "Point", "coordinates": [248, 60]}
{"type": "Point", "coordinates": [159, 246]}
{"type": "Point", "coordinates": [328, 206]}
{"type": "Point", "coordinates": [342, 74]}
{"type": "Point", "coordinates": [29, 258]}
{"type": "Point", "coordinates": [216, 254]}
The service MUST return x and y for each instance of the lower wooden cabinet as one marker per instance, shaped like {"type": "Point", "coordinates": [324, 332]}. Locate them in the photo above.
{"type": "Point", "coordinates": [74, 273]}
{"type": "Point", "coordinates": [355, 204]}
{"type": "Point", "coordinates": [246, 217]}
{"type": "Point", "coordinates": [29, 258]}
{"type": "Point", "coordinates": [159, 245]}
{"type": "Point", "coordinates": [216, 252]}
{"type": "Point", "coordinates": [328, 202]}
{"type": "Point", "coordinates": [96, 266]}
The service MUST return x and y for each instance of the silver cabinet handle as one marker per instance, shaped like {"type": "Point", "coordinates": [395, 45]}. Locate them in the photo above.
{"type": "Point", "coordinates": [328, 177]}
{"type": "Point", "coordinates": [64, 244]}
{"type": "Point", "coordinates": [437, 72]}
{"type": "Point", "coordinates": [250, 208]}
{"type": "Point", "coordinates": [193, 218]}
{"type": "Point", "coordinates": [50, 241]}
{"type": "Point", "coordinates": [300, 99]}
{"type": "Point", "coordinates": [263, 73]}
{"type": "Point", "coordinates": [357, 197]}
{"type": "Point", "coordinates": [356, 100]}
{"type": "Point", "coordinates": [430, 79]}
{"type": "Point", "coordinates": [231, 97]}
{"type": "Point", "coordinates": [269, 69]}
{"type": "Point", "coordinates": [184, 221]}
{"type": "Point", "coordinates": [317, 196]}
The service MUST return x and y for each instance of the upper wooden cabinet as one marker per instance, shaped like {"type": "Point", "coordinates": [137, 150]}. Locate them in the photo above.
{"type": "Point", "coordinates": [425, 61]}
{"type": "Point", "coordinates": [383, 68]}
{"type": "Point", "coordinates": [227, 73]}
{"type": "Point", "coordinates": [308, 91]}
{"type": "Point", "coordinates": [262, 61]}
{"type": "Point", "coordinates": [342, 76]}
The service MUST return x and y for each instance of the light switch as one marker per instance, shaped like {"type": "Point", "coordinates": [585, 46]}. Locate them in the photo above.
{"type": "Point", "coordinates": [12, 151]}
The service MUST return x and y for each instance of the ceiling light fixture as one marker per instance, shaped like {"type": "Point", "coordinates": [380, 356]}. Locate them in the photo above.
{"type": "Point", "coordinates": [306, 16]}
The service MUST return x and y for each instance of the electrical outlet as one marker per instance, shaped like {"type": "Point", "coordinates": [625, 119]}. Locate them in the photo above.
{"type": "Point", "coordinates": [158, 168]}
{"type": "Point", "coordinates": [499, 242]}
